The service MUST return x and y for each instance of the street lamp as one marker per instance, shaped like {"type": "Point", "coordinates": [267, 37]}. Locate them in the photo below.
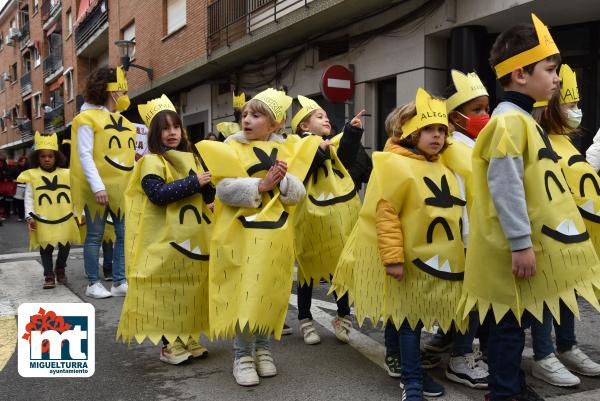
{"type": "Point", "coordinates": [125, 48]}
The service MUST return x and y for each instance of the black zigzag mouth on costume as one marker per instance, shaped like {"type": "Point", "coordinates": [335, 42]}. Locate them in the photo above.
{"type": "Point", "coordinates": [565, 237]}
{"type": "Point", "coordinates": [117, 165]}
{"type": "Point", "coordinates": [444, 275]}
{"type": "Point", "coordinates": [267, 225]}
{"type": "Point", "coordinates": [332, 201]}
{"type": "Point", "coordinates": [594, 218]}
{"type": "Point", "coordinates": [42, 220]}
{"type": "Point", "coordinates": [188, 253]}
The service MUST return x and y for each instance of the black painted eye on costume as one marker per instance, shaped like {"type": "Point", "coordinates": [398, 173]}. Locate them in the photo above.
{"type": "Point", "coordinates": [63, 195]}
{"type": "Point", "coordinates": [550, 175]}
{"type": "Point", "coordinates": [114, 138]}
{"type": "Point", "coordinates": [42, 197]}
{"type": "Point", "coordinates": [196, 213]}
{"type": "Point", "coordinates": [131, 143]}
{"type": "Point", "coordinates": [441, 221]}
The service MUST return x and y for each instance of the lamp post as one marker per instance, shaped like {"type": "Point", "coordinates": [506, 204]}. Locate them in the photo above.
{"type": "Point", "coordinates": [125, 48]}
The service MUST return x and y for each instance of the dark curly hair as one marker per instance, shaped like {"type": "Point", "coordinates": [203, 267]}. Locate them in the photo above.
{"type": "Point", "coordinates": [95, 87]}
{"type": "Point", "coordinates": [59, 159]}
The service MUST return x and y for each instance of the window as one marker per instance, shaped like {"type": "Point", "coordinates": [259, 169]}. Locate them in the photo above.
{"type": "Point", "coordinates": [13, 72]}
{"type": "Point", "coordinates": [35, 6]}
{"type": "Point", "coordinates": [69, 22]}
{"type": "Point", "coordinates": [14, 115]}
{"type": "Point", "coordinates": [37, 105]}
{"type": "Point", "coordinates": [36, 56]}
{"type": "Point", "coordinates": [129, 34]}
{"type": "Point", "coordinates": [175, 15]}
{"type": "Point", "coordinates": [1, 41]}
{"type": "Point", "coordinates": [2, 124]}
{"type": "Point", "coordinates": [69, 87]}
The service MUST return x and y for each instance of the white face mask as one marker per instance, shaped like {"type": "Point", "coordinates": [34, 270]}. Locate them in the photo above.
{"type": "Point", "coordinates": [574, 118]}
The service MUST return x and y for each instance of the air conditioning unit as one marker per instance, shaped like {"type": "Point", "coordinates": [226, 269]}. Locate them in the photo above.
{"type": "Point", "coordinates": [13, 33]}
{"type": "Point", "coordinates": [5, 76]}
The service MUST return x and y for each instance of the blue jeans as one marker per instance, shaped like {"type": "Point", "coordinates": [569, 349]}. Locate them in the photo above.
{"type": "Point", "coordinates": [410, 350]}
{"type": "Point", "coordinates": [392, 339]}
{"type": "Point", "coordinates": [93, 242]}
{"type": "Point", "coordinates": [245, 343]}
{"type": "Point", "coordinates": [541, 333]}
{"type": "Point", "coordinates": [462, 343]}
{"type": "Point", "coordinates": [505, 349]}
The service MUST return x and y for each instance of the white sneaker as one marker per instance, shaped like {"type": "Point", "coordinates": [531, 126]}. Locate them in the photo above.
{"type": "Point", "coordinates": [244, 371]}
{"type": "Point", "coordinates": [342, 326]}
{"type": "Point", "coordinates": [97, 290]}
{"type": "Point", "coordinates": [552, 371]}
{"type": "Point", "coordinates": [577, 361]}
{"type": "Point", "coordinates": [465, 370]}
{"type": "Point", "coordinates": [309, 332]}
{"type": "Point", "coordinates": [264, 363]}
{"type": "Point", "coordinates": [174, 353]}
{"type": "Point", "coordinates": [120, 290]}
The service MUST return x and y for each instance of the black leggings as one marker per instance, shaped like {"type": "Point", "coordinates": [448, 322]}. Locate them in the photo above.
{"type": "Point", "coordinates": [61, 260]}
{"type": "Point", "coordinates": [305, 298]}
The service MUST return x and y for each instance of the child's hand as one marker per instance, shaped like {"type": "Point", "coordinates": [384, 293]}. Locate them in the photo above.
{"type": "Point", "coordinates": [396, 271]}
{"type": "Point", "coordinates": [31, 226]}
{"type": "Point", "coordinates": [101, 198]}
{"type": "Point", "coordinates": [325, 144]}
{"type": "Point", "coordinates": [211, 206]}
{"type": "Point", "coordinates": [273, 177]}
{"type": "Point", "coordinates": [523, 263]}
{"type": "Point", "coordinates": [356, 122]}
{"type": "Point", "coordinates": [204, 178]}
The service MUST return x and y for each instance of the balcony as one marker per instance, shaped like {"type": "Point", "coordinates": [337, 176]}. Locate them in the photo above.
{"type": "Point", "coordinates": [53, 64]}
{"type": "Point", "coordinates": [26, 84]}
{"type": "Point", "coordinates": [229, 20]}
{"type": "Point", "coordinates": [24, 35]}
{"type": "Point", "coordinates": [54, 120]}
{"type": "Point", "coordinates": [50, 8]}
{"type": "Point", "coordinates": [91, 33]}
{"type": "Point", "coordinates": [26, 130]}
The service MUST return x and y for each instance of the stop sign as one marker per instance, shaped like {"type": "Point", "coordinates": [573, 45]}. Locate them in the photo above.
{"type": "Point", "coordinates": [337, 84]}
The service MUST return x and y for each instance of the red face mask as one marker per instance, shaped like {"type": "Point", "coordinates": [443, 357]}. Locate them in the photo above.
{"type": "Point", "coordinates": [475, 124]}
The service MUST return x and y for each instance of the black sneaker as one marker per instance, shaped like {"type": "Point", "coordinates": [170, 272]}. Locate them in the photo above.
{"type": "Point", "coordinates": [392, 365]}
{"type": "Point", "coordinates": [107, 274]}
{"type": "Point", "coordinates": [429, 360]}
{"type": "Point", "coordinates": [287, 330]}
{"type": "Point", "coordinates": [529, 394]}
{"type": "Point", "coordinates": [440, 342]}
{"type": "Point", "coordinates": [412, 394]}
{"type": "Point", "coordinates": [431, 388]}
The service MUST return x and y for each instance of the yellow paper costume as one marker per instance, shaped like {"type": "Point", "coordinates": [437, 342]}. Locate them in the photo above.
{"type": "Point", "coordinates": [227, 128]}
{"type": "Point", "coordinates": [252, 255]}
{"type": "Point", "coordinates": [52, 201]}
{"type": "Point", "coordinates": [114, 155]}
{"type": "Point", "coordinates": [565, 259]}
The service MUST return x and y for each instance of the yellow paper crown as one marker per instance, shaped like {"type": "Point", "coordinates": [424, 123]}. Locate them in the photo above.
{"type": "Point", "coordinates": [120, 85]}
{"type": "Point", "coordinates": [429, 111]}
{"type": "Point", "coordinates": [545, 48]}
{"type": "Point", "coordinates": [277, 101]}
{"type": "Point", "coordinates": [569, 92]}
{"type": "Point", "coordinates": [238, 101]}
{"type": "Point", "coordinates": [308, 106]}
{"type": "Point", "coordinates": [228, 128]}
{"type": "Point", "coordinates": [153, 107]}
{"type": "Point", "coordinates": [468, 87]}
{"type": "Point", "coordinates": [47, 142]}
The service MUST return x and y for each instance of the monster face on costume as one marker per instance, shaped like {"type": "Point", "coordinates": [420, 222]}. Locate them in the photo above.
{"type": "Point", "coordinates": [323, 196]}
{"type": "Point", "coordinates": [115, 156]}
{"type": "Point", "coordinates": [48, 194]}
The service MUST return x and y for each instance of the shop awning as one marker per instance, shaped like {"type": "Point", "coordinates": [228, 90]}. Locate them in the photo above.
{"type": "Point", "coordinates": [56, 84]}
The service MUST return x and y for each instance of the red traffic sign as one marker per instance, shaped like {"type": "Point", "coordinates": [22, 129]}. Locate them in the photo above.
{"type": "Point", "coordinates": [337, 84]}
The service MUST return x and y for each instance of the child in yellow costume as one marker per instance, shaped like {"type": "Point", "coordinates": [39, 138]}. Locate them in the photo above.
{"type": "Point", "coordinates": [408, 254]}
{"type": "Point", "coordinates": [167, 233]}
{"type": "Point", "coordinates": [258, 176]}
{"type": "Point", "coordinates": [560, 119]}
{"type": "Point", "coordinates": [49, 207]}
{"type": "Point", "coordinates": [102, 158]}
{"type": "Point", "coordinates": [523, 215]}
{"type": "Point", "coordinates": [325, 217]}
{"type": "Point", "coordinates": [227, 128]}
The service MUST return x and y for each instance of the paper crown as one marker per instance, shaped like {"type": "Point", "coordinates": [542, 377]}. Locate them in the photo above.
{"type": "Point", "coordinates": [468, 87]}
{"type": "Point", "coordinates": [228, 128]}
{"type": "Point", "coordinates": [429, 111]}
{"type": "Point", "coordinates": [308, 105]}
{"type": "Point", "coordinates": [47, 142]}
{"type": "Point", "coordinates": [238, 101]}
{"type": "Point", "coordinates": [120, 85]}
{"type": "Point", "coordinates": [569, 92]}
{"type": "Point", "coordinates": [545, 48]}
{"type": "Point", "coordinates": [153, 107]}
{"type": "Point", "coordinates": [277, 101]}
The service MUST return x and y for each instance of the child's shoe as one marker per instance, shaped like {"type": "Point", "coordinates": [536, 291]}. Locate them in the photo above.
{"type": "Point", "coordinates": [411, 393]}
{"type": "Point", "coordinates": [429, 360]}
{"type": "Point", "coordinates": [465, 370]}
{"type": "Point", "coordinates": [342, 326]}
{"type": "Point", "coordinates": [97, 290]}
{"type": "Point", "coordinates": [196, 349]}
{"type": "Point", "coordinates": [287, 330]}
{"type": "Point", "coordinates": [392, 366]}
{"type": "Point", "coordinates": [440, 342]}
{"type": "Point", "coordinates": [119, 290]}
{"type": "Point", "coordinates": [309, 332]}
{"type": "Point", "coordinates": [61, 277]}
{"type": "Point", "coordinates": [552, 371]}
{"type": "Point", "coordinates": [431, 388]}
{"type": "Point", "coordinates": [264, 363]}
{"type": "Point", "coordinates": [49, 282]}
{"type": "Point", "coordinates": [107, 274]}
{"type": "Point", "coordinates": [577, 361]}
{"type": "Point", "coordinates": [174, 353]}
{"type": "Point", "coordinates": [244, 371]}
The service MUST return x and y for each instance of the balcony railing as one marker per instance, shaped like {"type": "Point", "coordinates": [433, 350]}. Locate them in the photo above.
{"type": "Point", "coordinates": [49, 9]}
{"type": "Point", "coordinates": [232, 19]}
{"type": "Point", "coordinates": [26, 84]}
{"type": "Point", "coordinates": [91, 23]}
{"type": "Point", "coordinates": [24, 36]}
{"type": "Point", "coordinates": [54, 61]}
{"type": "Point", "coordinates": [54, 120]}
{"type": "Point", "coordinates": [26, 130]}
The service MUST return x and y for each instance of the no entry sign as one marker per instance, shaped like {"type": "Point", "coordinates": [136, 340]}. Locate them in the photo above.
{"type": "Point", "coordinates": [337, 84]}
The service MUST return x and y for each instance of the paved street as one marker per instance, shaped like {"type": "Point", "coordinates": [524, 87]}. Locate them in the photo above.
{"type": "Point", "coordinates": [329, 371]}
